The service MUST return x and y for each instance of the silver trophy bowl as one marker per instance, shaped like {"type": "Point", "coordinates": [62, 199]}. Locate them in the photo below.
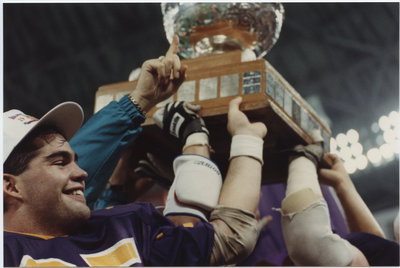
{"type": "Point", "coordinates": [214, 28]}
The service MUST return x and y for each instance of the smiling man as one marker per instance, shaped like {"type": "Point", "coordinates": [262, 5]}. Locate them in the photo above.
{"type": "Point", "coordinates": [47, 221]}
{"type": "Point", "coordinates": [41, 174]}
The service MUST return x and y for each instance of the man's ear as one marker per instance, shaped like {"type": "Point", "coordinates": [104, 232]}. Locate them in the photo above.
{"type": "Point", "coordinates": [10, 188]}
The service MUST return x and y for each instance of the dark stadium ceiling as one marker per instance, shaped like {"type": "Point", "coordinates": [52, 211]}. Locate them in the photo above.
{"type": "Point", "coordinates": [342, 57]}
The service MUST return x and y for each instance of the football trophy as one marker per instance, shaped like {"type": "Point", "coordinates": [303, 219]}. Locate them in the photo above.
{"type": "Point", "coordinates": [223, 45]}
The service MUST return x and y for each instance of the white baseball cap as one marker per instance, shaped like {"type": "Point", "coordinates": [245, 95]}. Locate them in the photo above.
{"type": "Point", "coordinates": [66, 117]}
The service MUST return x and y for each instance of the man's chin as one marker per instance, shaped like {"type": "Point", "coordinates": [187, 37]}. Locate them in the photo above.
{"type": "Point", "coordinates": [78, 211]}
{"type": "Point", "coordinates": [78, 219]}
{"type": "Point", "coordinates": [84, 212]}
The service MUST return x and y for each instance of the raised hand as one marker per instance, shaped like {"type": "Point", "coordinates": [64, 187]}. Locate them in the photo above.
{"type": "Point", "coordinates": [160, 78]}
{"type": "Point", "coordinates": [239, 124]}
{"type": "Point", "coordinates": [336, 175]}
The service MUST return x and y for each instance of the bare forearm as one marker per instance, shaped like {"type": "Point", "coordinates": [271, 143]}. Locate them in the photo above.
{"type": "Point", "coordinates": [243, 179]}
{"type": "Point", "coordinates": [359, 217]}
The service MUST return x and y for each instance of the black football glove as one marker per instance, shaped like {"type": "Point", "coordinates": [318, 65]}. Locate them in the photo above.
{"type": "Point", "coordinates": [180, 119]}
{"type": "Point", "coordinates": [314, 151]}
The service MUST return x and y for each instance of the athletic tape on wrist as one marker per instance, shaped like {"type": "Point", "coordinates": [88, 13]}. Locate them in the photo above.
{"type": "Point", "coordinates": [247, 145]}
{"type": "Point", "coordinates": [198, 138]}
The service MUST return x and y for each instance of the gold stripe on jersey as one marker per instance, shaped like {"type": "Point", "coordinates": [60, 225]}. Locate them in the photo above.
{"type": "Point", "coordinates": [45, 237]}
{"type": "Point", "coordinates": [123, 253]}
{"type": "Point", "coordinates": [28, 261]}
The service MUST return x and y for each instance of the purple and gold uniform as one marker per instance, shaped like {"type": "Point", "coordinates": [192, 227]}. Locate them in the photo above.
{"type": "Point", "coordinates": [128, 235]}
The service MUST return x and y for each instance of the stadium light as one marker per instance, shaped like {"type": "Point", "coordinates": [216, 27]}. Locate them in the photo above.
{"type": "Point", "coordinates": [349, 148]}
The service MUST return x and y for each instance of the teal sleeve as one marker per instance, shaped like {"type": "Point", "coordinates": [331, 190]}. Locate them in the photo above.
{"type": "Point", "coordinates": [101, 141]}
{"type": "Point", "coordinates": [110, 197]}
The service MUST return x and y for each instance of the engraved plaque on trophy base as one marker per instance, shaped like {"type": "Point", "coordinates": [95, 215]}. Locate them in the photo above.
{"type": "Point", "coordinates": [212, 81]}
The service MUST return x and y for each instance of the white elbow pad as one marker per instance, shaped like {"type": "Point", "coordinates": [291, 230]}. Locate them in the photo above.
{"type": "Point", "coordinates": [197, 183]}
{"type": "Point", "coordinates": [308, 235]}
{"type": "Point", "coordinates": [173, 207]}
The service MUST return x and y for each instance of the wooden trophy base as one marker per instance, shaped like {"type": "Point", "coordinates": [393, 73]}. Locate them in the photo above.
{"type": "Point", "coordinates": [212, 81]}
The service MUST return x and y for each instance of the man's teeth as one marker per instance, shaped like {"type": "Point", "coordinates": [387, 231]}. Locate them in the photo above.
{"type": "Point", "coordinates": [77, 192]}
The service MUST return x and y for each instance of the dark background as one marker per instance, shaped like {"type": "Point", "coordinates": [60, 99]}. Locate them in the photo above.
{"type": "Point", "coordinates": [342, 57]}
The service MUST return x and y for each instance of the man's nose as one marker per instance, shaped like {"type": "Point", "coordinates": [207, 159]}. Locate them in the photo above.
{"type": "Point", "coordinates": [78, 173]}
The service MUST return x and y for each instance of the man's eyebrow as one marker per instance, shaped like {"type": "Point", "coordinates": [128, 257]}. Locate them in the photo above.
{"type": "Point", "coordinates": [64, 154]}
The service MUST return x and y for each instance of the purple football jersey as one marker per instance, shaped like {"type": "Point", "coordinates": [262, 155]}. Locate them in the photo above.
{"type": "Point", "coordinates": [378, 251]}
{"type": "Point", "coordinates": [129, 235]}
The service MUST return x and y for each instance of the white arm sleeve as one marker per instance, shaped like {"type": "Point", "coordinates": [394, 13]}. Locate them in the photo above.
{"type": "Point", "coordinates": [308, 235]}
